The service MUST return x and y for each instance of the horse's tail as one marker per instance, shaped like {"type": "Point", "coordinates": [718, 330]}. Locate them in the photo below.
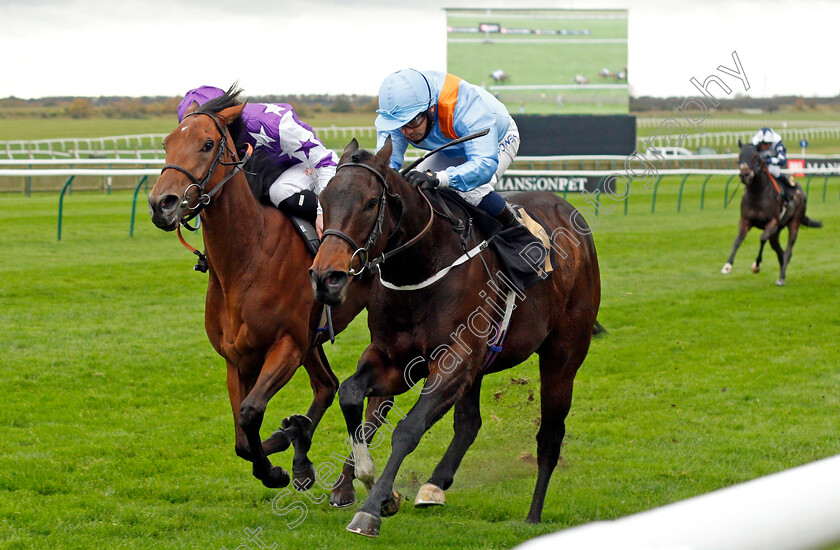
{"type": "Point", "coordinates": [808, 222]}
{"type": "Point", "coordinates": [599, 331]}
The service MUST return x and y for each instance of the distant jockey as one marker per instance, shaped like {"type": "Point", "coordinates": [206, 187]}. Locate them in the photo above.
{"type": "Point", "coordinates": [773, 153]}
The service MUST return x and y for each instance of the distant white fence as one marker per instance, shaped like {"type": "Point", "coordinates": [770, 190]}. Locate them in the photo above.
{"type": "Point", "coordinates": [798, 509]}
{"type": "Point", "coordinates": [716, 139]}
{"type": "Point", "coordinates": [134, 146]}
{"type": "Point", "coordinates": [143, 146]}
{"type": "Point", "coordinates": [652, 122]}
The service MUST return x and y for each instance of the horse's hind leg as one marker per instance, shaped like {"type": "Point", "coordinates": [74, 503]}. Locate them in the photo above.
{"type": "Point", "coordinates": [557, 375]}
{"type": "Point", "coordinates": [793, 232]}
{"type": "Point", "coordinates": [774, 244]}
{"type": "Point", "coordinates": [467, 423]}
{"type": "Point", "coordinates": [743, 227]}
{"type": "Point", "coordinates": [756, 266]}
{"type": "Point", "coordinates": [343, 493]}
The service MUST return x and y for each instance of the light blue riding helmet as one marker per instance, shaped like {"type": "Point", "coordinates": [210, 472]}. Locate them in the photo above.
{"type": "Point", "coordinates": [765, 135]}
{"type": "Point", "coordinates": [402, 96]}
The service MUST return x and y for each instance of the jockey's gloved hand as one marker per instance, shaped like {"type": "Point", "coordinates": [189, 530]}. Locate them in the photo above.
{"type": "Point", "coordinates": [425, 180]}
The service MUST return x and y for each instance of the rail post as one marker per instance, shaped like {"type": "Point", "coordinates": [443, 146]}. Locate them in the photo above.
{"type": "Point", "coordinates": [655, 188]}
{"type": "Point", "coordinates": [134, 204]}
{"type": "Point", "coordinates": [726, 197]}
{"type": "Point", "coordinates": [679, 198]}
{"type": "Point", "coordinates": [703, 191]}
{"type": "Point", "coordinates": [61, 203]}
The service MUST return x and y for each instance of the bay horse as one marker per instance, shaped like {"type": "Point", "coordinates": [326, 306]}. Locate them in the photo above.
{"type": "Point", "coordinates": [761, 207]}
{"type": "Point", "coordinates": [555, 318]}
{"type": "Point", "coordinates": [260, 315]}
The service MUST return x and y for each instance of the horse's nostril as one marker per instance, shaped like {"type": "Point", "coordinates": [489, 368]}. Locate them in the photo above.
{"type": "Point", "coordinates": [169, 203]}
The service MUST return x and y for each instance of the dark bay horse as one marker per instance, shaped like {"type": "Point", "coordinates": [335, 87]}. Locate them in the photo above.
{"type": "Point", "coordinates": [761, 207]}
{"type": "Point", "coordinates": [259, 314]}
{"type": "Point", "coordinates": [441, 331]}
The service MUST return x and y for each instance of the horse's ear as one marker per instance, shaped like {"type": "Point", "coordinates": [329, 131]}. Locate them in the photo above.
{"type": "Point", "coordinates": [351, 148]}
{"type": "Point", "coordinates": [740, 145]}
{"type": "Point", "coordinates": [383, 156]}
{"type": "Point", "coordinates": [231, 113]}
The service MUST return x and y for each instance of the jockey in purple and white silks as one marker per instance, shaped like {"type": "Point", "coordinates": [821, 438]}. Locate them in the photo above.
{"type": "Point", "coordinates": [430, 109]}
{"type": "Point", "coordinates": [275, 128]}
{"type": "Point", "coordinates": [772, 151]}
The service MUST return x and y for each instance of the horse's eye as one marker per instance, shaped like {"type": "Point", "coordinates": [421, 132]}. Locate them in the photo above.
{"type": "Point", "coordinates": [371, 204]}
{"type": "Point", "coordinates": [208, 146]}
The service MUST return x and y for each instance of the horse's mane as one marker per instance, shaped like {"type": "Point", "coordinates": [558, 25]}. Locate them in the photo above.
{"type": "Point", "coordinates": [261, 170]}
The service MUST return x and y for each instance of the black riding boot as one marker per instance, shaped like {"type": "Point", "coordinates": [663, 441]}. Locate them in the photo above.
{"type": "Point", "coordinates": [508, 217]}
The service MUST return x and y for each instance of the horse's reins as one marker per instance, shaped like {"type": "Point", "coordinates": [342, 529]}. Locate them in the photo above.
{"type": "Point", "coordinates": [363, 251]}
{"type": "Point", "coordinates": [376, 231]}
{"type": "Point", "coordinates": [772, 179]}
{"type": "Point", "coordinates": [204, 198]}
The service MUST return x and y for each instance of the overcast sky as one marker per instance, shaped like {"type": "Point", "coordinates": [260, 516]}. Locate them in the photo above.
{"type": "Point", "coordinates": [165, 47]}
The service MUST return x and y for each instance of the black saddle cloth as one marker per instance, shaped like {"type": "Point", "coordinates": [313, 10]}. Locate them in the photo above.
{"type": "Point", "coordinates": [520, 253]}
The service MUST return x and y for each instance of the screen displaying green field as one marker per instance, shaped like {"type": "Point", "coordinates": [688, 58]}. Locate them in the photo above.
{"type": "Point", "coordinates": [543, 61]}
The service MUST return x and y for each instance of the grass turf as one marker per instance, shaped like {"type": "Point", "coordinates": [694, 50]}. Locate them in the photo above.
{"type": "Point", "coordinates": [117, 429]}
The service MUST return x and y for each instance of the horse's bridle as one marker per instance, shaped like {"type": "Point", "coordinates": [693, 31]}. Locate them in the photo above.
{"type": "Point", "coordinates": [363, 251]}
{"type": "Point", "coordinates": [204, 198]}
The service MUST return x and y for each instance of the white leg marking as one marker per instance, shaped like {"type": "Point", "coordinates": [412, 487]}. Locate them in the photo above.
{"type": "Point", "coordinates": [365, 468]}
{"type": "Point", "coordinates": [727, 268]}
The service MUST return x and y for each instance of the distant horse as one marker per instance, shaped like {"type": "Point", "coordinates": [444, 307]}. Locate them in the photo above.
{"type": "Point", "coordinates": [260, 314]}
{"type": "Point", "coordinates": [499, 76]}
{"type": "Point", "coordinates": [762, 207]}
{"type": "Point", "coordinates": [554, 318]}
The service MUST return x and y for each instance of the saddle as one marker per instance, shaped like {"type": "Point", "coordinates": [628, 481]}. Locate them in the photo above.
{"type": "Point", "coordinates": [306, 230]}
{"type": "Point", "coordinates": [789, 194]}
{"type": "Point", "coordinates": [523, 251]}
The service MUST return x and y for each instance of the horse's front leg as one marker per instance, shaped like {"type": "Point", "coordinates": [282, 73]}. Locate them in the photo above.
{"type": "Point", "coordinates": [280, 364]}
{"type": "Point", "coordinates": [343, 493]}
{"type": "Point", "coordinates": [300, 429]}
{"type": "Point", "coordinates": [238, 388]}
{"type": "Point", "coordinates": [743, 227]}
{"type": "Point", "coordinates": [375, 376]}
{"type": "Point", "coordinates": [440, 392]}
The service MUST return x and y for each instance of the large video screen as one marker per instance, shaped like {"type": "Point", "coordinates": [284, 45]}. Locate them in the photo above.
{"type": "Point", "coordinates": [543, 61]}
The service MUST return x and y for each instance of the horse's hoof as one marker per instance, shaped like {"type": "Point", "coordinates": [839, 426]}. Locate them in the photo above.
{"type": "Point", "coordinates": [365, 524]}
{"type": "Point", "coordinates": [392, 505]}
{"type": "Point", "coordinates": [343, 496]}
{"type": "Point", "coordinates": [755, 268]}
{"type": "Point", "coordinates": [727, 268]}
{"type": "Point", "coordinates": [780, 282]}
{"type": "Point", "coordinates": [304, 477]}
{"type": "Point", "coordinates": [430, 495]}
{"type": "Point", "coordinates": [296, 425]}
{"type": "Point", "coordinates": [277, 478]}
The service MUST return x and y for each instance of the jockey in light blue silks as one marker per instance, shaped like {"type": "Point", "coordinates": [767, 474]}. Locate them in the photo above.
{"type": "Point", "coordinates": [772, 151]}
{"type": "Point", "coordinates": [276, 129]}
{"type": "Point", "coordinates": [430, 109]}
